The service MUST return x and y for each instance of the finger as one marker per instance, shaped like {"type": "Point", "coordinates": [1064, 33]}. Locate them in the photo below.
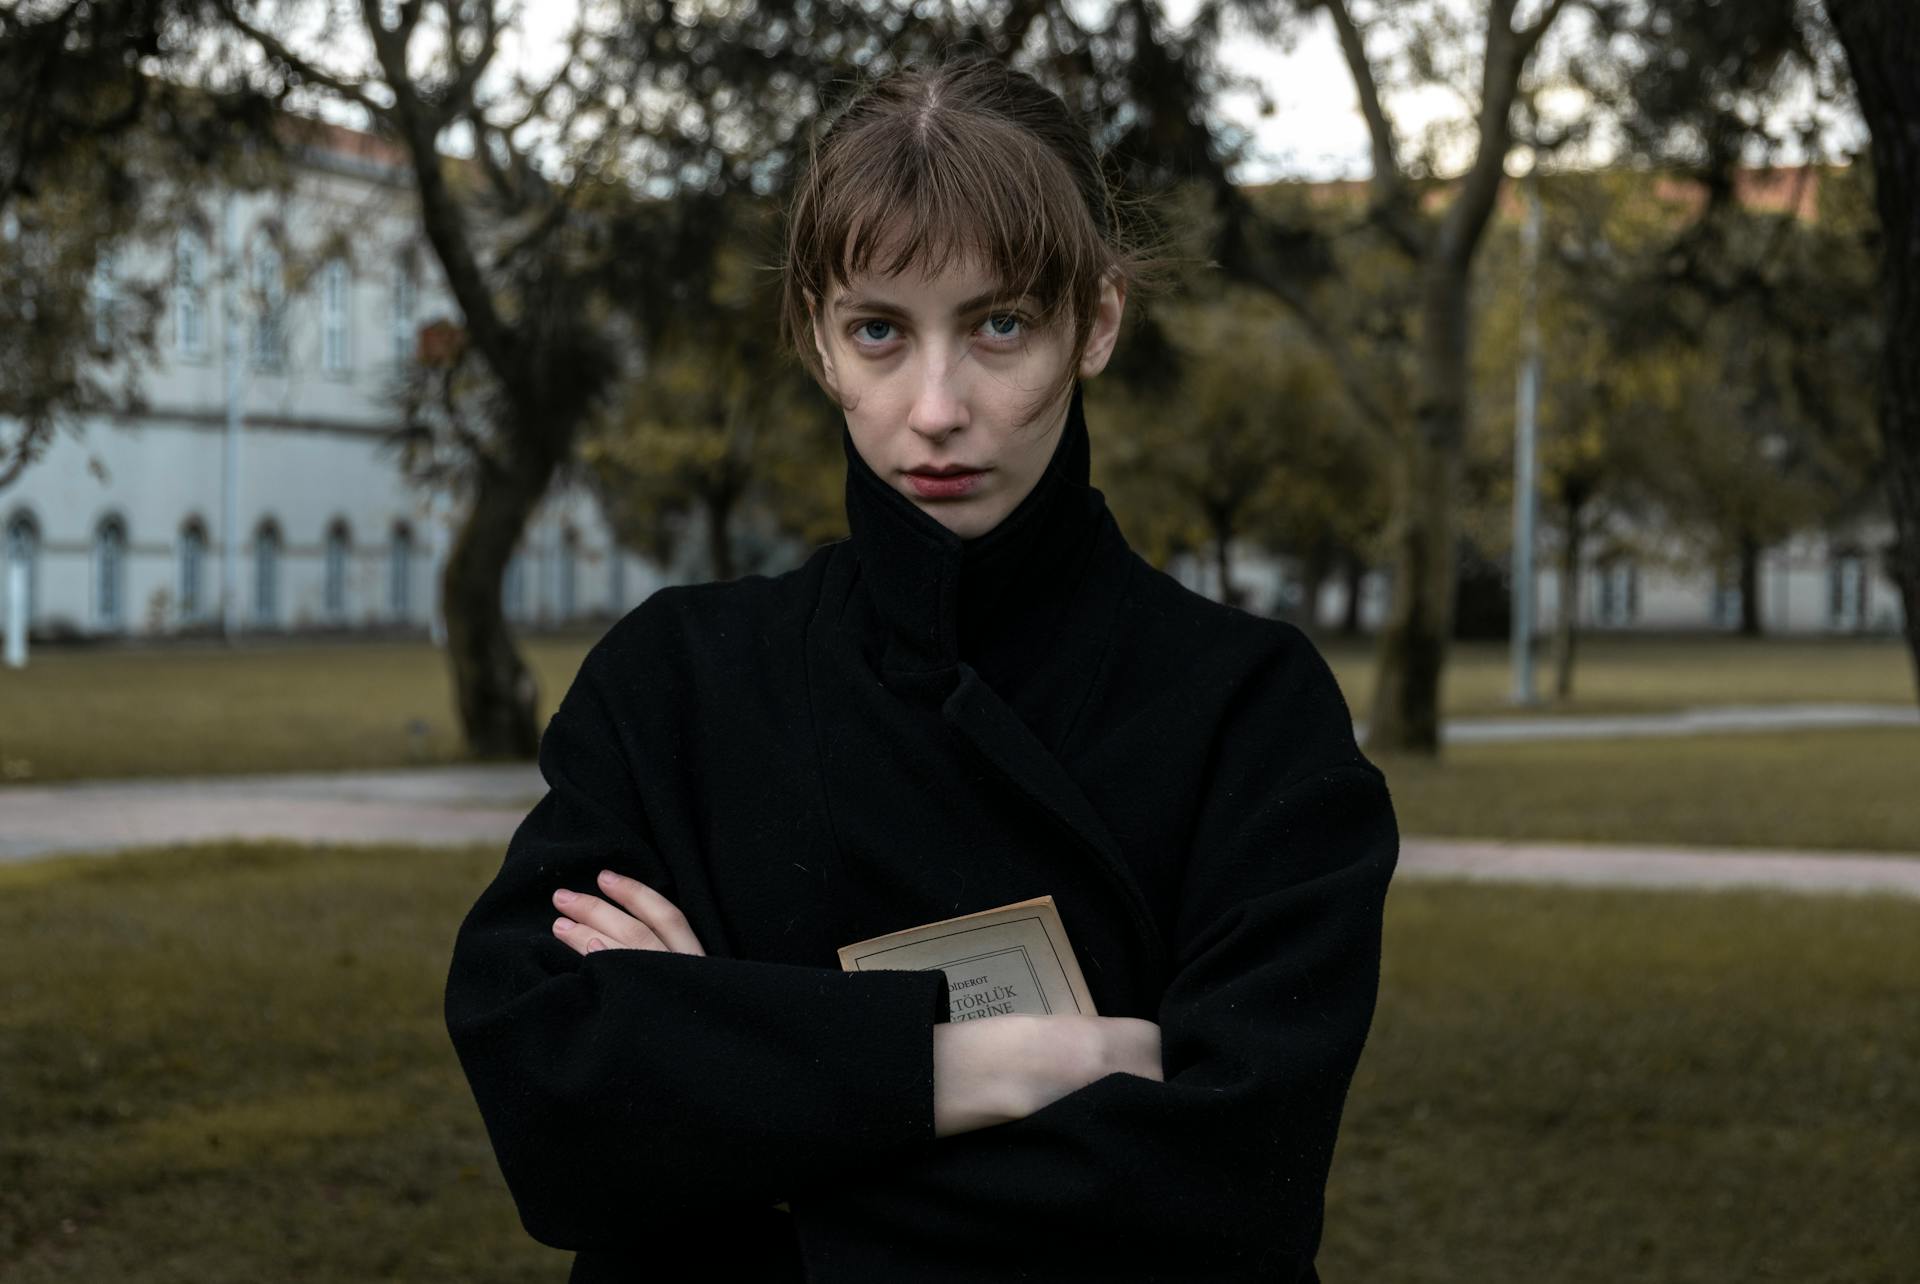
{"type": "Point", "coordinates": [610, 921]}
{"type": "Point", "coordinates": [653, 909]}
{"type": "Point", "coordinates": [582, 939]}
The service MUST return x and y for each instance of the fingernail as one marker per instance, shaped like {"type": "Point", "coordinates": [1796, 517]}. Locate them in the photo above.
{"type": "Point", "coordinates": [563, 896]}
{"type": "Point", "coordinates": [597, 944]}
{"type": "Point", "coordinates": [608, 876]}
{"type": "Point", "coordinates": [564, 925]}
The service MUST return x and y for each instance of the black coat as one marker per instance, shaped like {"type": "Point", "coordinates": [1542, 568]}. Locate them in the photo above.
{"type": "Point", "coordinates": [908, 727]}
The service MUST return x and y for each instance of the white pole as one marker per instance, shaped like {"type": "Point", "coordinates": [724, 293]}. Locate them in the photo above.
{"type": "Point", "coordinates": [1524, 500]}
{"type": "Point", "coordinates": [230, 471]}
{"type": "Point", "coordinates": [16, 613]}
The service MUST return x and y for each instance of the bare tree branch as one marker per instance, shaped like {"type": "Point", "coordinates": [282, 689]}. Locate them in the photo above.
{"type": "Point", "coordinates": [277, 51]}
{"type": "Point", "coordinates": [1386, 152]}
{"type": "Point", "coordinates": [1529, 37]}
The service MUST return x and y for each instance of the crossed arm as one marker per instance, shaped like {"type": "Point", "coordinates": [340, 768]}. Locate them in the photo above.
{"type": "Point", "coordinates": [984, 1072]}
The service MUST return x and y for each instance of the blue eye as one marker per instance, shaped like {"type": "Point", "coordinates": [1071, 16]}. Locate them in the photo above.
{"type": "Point", "coordinates": [999, 325]}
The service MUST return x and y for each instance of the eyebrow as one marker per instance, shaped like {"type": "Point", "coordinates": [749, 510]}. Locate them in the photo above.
{"type": "Point", "coordinates": [854, 303]}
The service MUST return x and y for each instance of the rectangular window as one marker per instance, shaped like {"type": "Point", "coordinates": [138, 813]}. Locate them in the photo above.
{"type": "Point", "coordinates": [270, 295]}
{"type": "Point", "coordinates": [335, 302]}
{"type": "Point", "coordinates": [190, 295]}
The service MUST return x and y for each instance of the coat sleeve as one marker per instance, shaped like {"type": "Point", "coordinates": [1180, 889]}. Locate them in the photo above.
{"type": "Point", "coordinates": [623, 1088]}
{"type": "Point", "coordinates": [1218, 1171]}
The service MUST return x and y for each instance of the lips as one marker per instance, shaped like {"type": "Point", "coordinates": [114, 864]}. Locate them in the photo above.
{"type": "Point", "coordinates": [948, 470]}
{"type": "Point", "coordinates": [946, 483]}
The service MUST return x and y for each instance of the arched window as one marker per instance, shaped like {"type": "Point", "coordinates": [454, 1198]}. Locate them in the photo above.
{"type": "Point", "coordinates": [193, 570]}
{"type": "Point", "coordinates": [513, 589]}
{"type": "Point", "coordinates": [267, 276]}
{"type": "Point", "coordinates": [569, 571]}
{"type": "Point", "coordinates": [406, 302]}
{"type": "Point", "coordinates": [336, 311]}
{"type": "Point", "coordinates": [22, 549]}
{"type": "Point", "coordinates": [339, 554]}
{"type": "Point", "coordinates": [400, 574]}
{"type": "Point", "coordinates": [110, 573]}
{"type": "Point", "coordinates": [1617, 591]}
{"type": "Point", "coordinates": [1726, 595]}
{"type": "Point", "coordinates": [1847, 589]}
{"type": "Point", "coordinates": [190, 293]}
{"type": "Point", "coordinates": [266, 572]}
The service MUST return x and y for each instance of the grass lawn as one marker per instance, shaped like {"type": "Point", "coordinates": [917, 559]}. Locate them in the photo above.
{"type": "Point", "coordinates": [267, 706]}
{"type": "Point", "coordinates": [1856, 789]}
{"type": "Point", "coordinates": [227, 1063]}
{"type": "Point", "coordinates": [300, 705]}
{"type": "Point", "coordinates": [1617, 673]}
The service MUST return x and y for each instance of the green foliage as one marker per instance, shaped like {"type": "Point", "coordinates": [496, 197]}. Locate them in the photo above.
{"type": "Point", "coordinates": [1250, 439]}
{"type": "Point", "coordinates": [719, 419]}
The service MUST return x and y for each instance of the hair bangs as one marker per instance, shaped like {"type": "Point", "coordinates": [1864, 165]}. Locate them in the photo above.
{"type": "Point", "coordinates": [995, 200]}
{"type": "Point", "coordinates": [963, 160]}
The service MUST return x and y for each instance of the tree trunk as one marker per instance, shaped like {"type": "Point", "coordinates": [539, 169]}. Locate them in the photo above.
{"type": "Point", "coordinates": [1412, 647]}
{"type": "Point", "coordinates": [493, 688]}
{"type": "Point", "coordinates": [1314, 570]}
{"type": "Point", "coordinates": [1355, 574]}
{"type": "Point", "coordinates": [1882, 40]}
{"type": "Point", "coordinates": [1749, 587]}
{"type": "Point", "coordinates": [1222, 564]}
{"type": "Point", "coordinates": [1566, 615]}
{"type": "Point", "coordinates": [719, 505]}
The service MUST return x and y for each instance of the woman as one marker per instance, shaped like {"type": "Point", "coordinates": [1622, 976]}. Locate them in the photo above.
{"type": "Point", "coordinates": [983, 695]}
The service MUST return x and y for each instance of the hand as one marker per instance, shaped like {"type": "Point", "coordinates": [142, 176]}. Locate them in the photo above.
{"type": "Point", "coordinates": [1008, 1067]}
{"type": "Point", "coordinates": [1077, 1050]}
{"type": "Point", "coordinates": [640, 919]}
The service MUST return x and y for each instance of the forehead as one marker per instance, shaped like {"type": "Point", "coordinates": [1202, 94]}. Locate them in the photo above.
{"type": "Point", "coordinates": [964, 280]}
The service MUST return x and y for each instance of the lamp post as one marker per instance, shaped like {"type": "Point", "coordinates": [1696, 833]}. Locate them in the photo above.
{"type": "Point", "coordinates": [1524, 484]}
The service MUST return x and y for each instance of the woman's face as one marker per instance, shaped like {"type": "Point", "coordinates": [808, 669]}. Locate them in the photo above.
{"type": "Point", "coordinates": [938, 371]}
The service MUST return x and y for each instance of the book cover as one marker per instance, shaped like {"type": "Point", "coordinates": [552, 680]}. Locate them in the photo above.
{"type": "Point", "coordinates": [1012, 958]}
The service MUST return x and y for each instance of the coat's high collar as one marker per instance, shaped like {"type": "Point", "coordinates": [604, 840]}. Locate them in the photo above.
{"type": "Point", "coordinates": [995, 600]}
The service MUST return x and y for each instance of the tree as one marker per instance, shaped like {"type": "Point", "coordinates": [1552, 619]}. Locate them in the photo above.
{"type": "Point", "coordinates": [1436, 229]}
{"type": "Point", "coordinates": [97, 158]}
{"type": "Point", "coordinates": [716, 424]}
{"type": "Point", "coordinates": [1882, 43]}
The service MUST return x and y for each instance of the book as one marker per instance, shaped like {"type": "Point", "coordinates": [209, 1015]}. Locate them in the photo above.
{"type": "Point", "coordinates": [1009, 959]}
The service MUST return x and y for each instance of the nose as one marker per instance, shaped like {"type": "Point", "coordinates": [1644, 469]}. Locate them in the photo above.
{"type": "Point", "coordinates": [939, 405]}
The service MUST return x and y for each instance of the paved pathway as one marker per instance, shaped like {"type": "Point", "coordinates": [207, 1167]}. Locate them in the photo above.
{"type": "Point", "coordinates": [438, 805]}
{"type": "Point", "coordinates": [1704, 719]}
{"type": "Point", "coordinates": [1610, 865]}
{"type": "Point", "coordinates": [460, 805]}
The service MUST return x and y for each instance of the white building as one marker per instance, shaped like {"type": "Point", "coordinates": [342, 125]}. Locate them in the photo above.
{"type": "Point", "coordinates": [1817, 583]}
{"type": "Point", "coordinates": [123, 527]}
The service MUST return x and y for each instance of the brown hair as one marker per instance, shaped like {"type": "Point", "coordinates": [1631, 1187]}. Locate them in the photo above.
{"type": "Point", "coordinates": [971, 156]}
